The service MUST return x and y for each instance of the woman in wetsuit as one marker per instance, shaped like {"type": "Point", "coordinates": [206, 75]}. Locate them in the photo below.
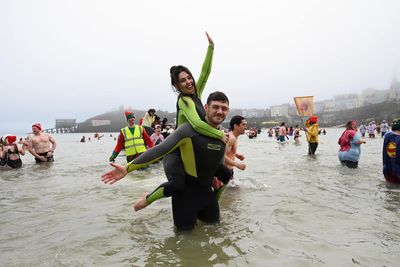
{"type": "Point", "coordinates": [190, 110]}
{"type": "Point", "coordinates": [202, 159]}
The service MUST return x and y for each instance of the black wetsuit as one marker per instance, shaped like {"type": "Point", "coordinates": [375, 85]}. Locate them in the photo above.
{"type": "Point", "coordinates": [202, 158]}
{"type": "Point", "coordinates": [172, 162]}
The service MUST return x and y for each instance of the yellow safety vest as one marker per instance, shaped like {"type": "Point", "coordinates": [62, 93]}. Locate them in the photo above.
{"type": "Point", "coordinates": [134, 144]}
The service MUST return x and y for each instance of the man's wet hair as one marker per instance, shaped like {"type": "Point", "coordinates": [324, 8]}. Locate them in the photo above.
{"type": "Point", "coordinates": [236, 120]}
{"type": "Point", "coordinates": [217, 96]}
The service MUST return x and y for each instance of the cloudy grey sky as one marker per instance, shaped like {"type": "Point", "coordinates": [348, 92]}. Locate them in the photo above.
{"type": "Point", "coordinates": [80, 58]}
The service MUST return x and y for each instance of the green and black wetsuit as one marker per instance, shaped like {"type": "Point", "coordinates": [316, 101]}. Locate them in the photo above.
{"type": "Point", "coordinates": [190, 110]}
{"type": "Point", "coordinates": [202, 158]}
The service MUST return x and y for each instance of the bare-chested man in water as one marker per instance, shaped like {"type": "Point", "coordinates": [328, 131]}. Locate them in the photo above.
{"type": "Point", "coordinates": [41, 145]}
{"type": "Point", "coordinates": [238, 125]}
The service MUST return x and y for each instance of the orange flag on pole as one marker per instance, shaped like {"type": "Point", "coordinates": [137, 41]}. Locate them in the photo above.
{"type": "Point", "coordinates": [304, 105]}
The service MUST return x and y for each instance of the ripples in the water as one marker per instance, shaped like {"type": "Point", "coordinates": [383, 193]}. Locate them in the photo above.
{"type": "Point", "coordinates": [287, 209]}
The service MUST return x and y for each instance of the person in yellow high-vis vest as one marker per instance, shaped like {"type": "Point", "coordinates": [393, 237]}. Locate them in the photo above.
{"type": "Point", "coordinates": [133, 138]}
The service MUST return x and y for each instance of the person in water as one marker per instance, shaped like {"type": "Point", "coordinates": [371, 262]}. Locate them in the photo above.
{"type": "Point", "coordinates": [371, 129]}
{"type": "Point", "coordinates": [148, 118]}
{"type": "Point", "coordinates": [363, 129]}
{"type": "Point", "coordinates": [10, 153]}
{"type": "Point", "coordinates": [238, 126]}
{"type": "Point", "coordinates": [41, 145]}
{"type": "Point", "coordinates": [384, 128]}
{"type": "Point", "coordinates": [312, 134]}
{"type": "Point", "coordinates": [391, 153]}
{"type": "Point", "coordinates": [157, 137]}
{"type": "Point", "coordinates": [190, 110]}
{"type": "Point", "coordinates": [133, 138]}
{"type": "Point", "coordinates": [350, 142]}
{"type": "Point", "coordinates": [282, 133]}
{"type": "Point", "coordinates": [203, 158]}
{"type": "Point", "coordinates": [296, 134]}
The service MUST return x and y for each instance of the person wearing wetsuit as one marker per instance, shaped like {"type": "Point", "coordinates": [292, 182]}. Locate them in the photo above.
{"type": "Point", "coordinates": [391, 153]}
{"type": "Point", "coordinates": [202, 158]}
{"type": "Point", "coordinates": [190, 110]}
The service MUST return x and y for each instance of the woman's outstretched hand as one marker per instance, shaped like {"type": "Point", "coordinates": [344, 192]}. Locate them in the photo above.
{"type": "Point", "coordinates": [114, 175]}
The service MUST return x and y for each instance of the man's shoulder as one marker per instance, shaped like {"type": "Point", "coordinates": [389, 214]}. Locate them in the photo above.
{"type": "Point", "coordinates": [47, 135]}
{"type": "Point", "coordinates": [232, 136]}
{"type": "Point", "coordinates": [391, 135]}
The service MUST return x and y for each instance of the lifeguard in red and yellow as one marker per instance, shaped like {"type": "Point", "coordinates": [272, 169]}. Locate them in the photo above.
{"type": "Point", "coordinates": [133, 138]}
{"type": "Point", "coordinates": [312, 134]}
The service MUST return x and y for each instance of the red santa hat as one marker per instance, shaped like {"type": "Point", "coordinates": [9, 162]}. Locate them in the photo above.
{"type": "Point", "coordinates": [129, 115]}
{"type": "Point", "coordinates": [313, 119]}
{"type": "Point", "coordinates": [11, 139]}
{"type": "Point", "coordinates": [38, 126]}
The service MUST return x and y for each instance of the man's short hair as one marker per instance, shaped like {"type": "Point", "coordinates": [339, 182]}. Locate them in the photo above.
{"type": "Point", "coordinates": [236, 120]}
{"type": "Point", "coordinates": [217, 96]}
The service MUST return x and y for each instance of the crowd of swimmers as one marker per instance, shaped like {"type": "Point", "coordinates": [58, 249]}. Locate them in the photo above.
{"type": "Point", "coordinates": [40, 145]}
{"type": "Point", "coordinates": [198, 155]}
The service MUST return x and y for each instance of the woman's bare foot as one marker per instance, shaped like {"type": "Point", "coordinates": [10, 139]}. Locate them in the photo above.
{"type": "Point", "coordinates": [141, 203]}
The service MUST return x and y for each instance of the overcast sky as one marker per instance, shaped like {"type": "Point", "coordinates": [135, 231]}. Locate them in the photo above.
{"type": "Point", "coordinates": [77, 59]}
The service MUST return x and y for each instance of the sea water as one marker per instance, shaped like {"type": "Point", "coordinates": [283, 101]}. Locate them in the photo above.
{"type": "Point", "coordinates": [287, 209]}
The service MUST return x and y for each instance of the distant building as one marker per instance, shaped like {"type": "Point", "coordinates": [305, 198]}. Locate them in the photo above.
{"type": "Point", "coordinates": [280, 110]}
{"type": "Point", "coordinates": [66, 123]}
{"type": "Point", "coordinates": [394, 90]}
{"type": "Point", "coordinates": [319, 107]}
{"type": "Point", "coordinates": [253, 113]}
{"type": "Point", "coordinates": [373, 96]}
{"type": "Point", "coordinates": [96, 123]}
{"type": "Point", "coordinates": [292, 111]}
{"type": "Point", "coordinates": [329, 105]}
{"type": "Point", "coordinates": [347, 101]}
{"type": "Point", "coordinates": [267, 112]}
{"type": "Point", "coordinates": [328, 118]}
